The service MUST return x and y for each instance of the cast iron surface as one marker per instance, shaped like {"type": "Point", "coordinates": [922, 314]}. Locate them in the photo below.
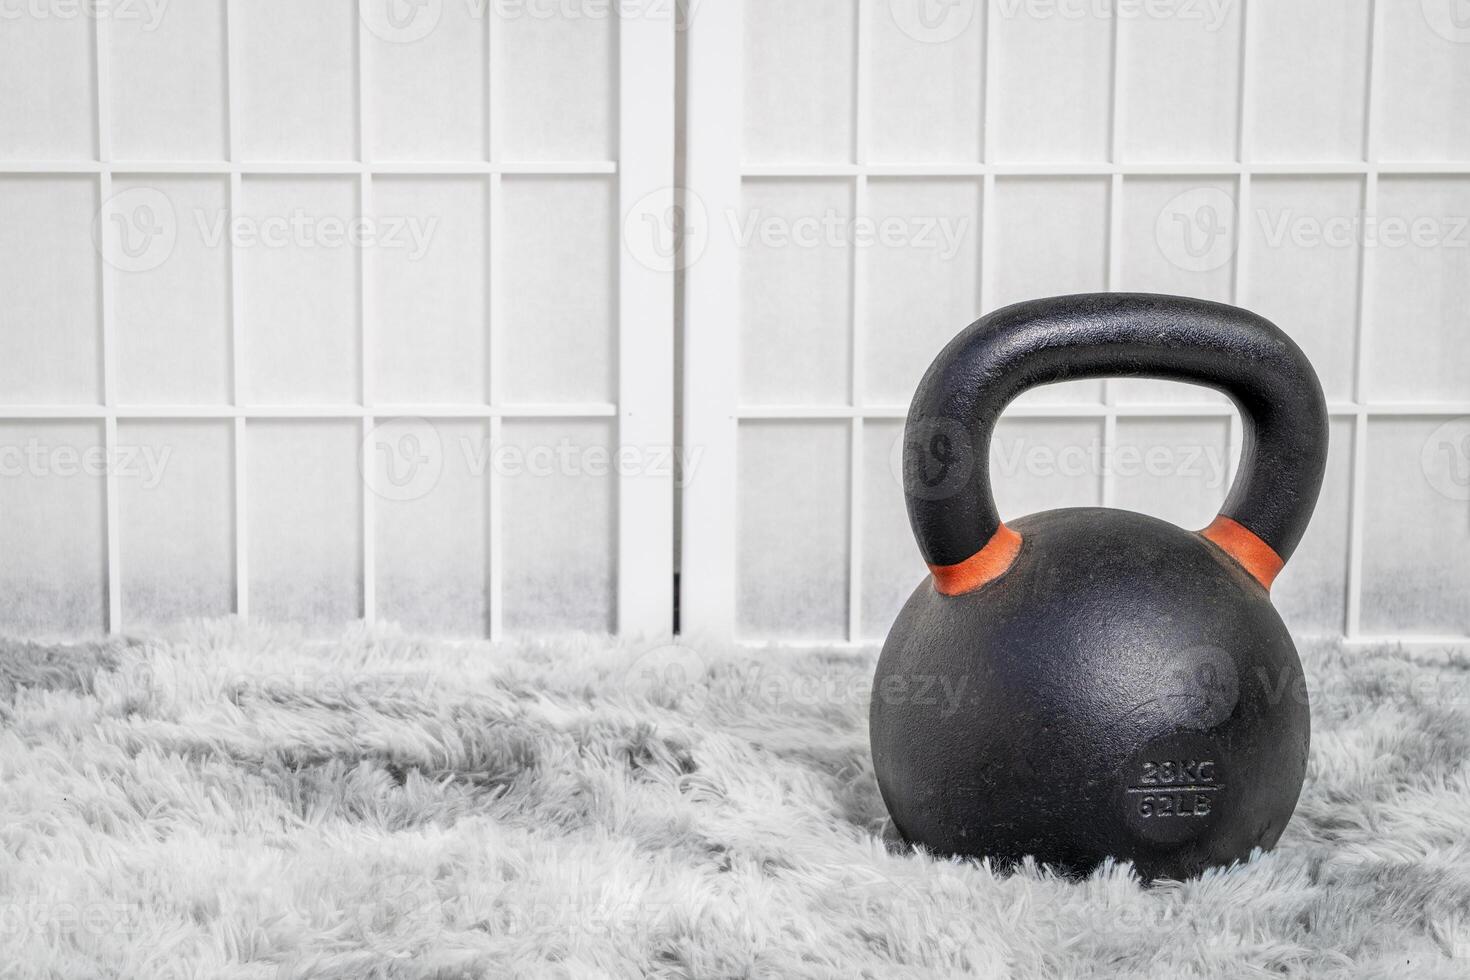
{"type": "Point", "coordinates": [1096, 335]}
{"type": "Point", "coordinates": [1126, 688]}
{"type": "Point", "coordinates": [1017, 719]}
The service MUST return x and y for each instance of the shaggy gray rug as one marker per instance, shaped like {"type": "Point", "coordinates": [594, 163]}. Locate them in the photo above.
{"type": "Point", "coordinates": [236, 802]}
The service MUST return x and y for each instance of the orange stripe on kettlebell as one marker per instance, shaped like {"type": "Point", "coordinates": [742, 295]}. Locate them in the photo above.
{"type": "Point", "coordinates": [1242, 544]}
{"type": "Point", "coordinates": [985, 565]}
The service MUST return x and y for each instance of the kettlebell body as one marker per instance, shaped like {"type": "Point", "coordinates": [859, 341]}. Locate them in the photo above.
{"type": "Point", "coordinates": [1089, 683]}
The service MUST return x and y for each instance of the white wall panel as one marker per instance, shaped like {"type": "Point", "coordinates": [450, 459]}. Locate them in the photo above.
{"type": "Point", "coordinates": [1425, 63]}
{"type": "Point", "coordinates": [1053, 63]}
{"type": "Point", "coordinates": [171, 290]}
{"type": "Point", "coordinates": [560, 82]}
{"type": "Point", "coordinates": [1040, 463]}
{"type": "Point", "coordinates": [1308, 230]}
{"type": "Point", "coordinates": [892, 565]}
{"type": "Point", "coordinates": [428, 90]}
{"type": "Point", "coordinates": [927, 84]}
{"type": "Point", "coordinates": [798, 71]}
{"type": "Point", "coordinates": [923, 277]}
{"type": "Point", "coordinates": [430, 298]}
{"type": "Point", "coordinates": [559, 293]}
{"type": "Point", "coordinates": [296, 79]}
{"type": "Point", "coordinates": [54, 577]}
{"type": "Point", "coordinates": [1416, 568]}
{"type": "Point", "coordinates": [560, 530]}
{"type": "Point", "coordinates": [1419, 329]}
{"type": "Point", "coordinates": [1248, 153]}
{"type": "Point", "coordinates": [432, 524]}
{"type": "Point", "coordinates": [1174, 469]}
{"type": "Point", "coordinates": [251, 236]}
{"type": "Point", "coordinates": [793, 531]}
{"type": "Point", "coordinates": [1180, 80]}
{"type": "Point", "coordinates": [1316, 50]}
{"type": "Point", "coordinates": [49, 80]}
{"type": "Point", "coordinates": [305, 548]}
{"type": "Point", "coordinates": [50, 321]}
{"type": "Point", "coordinates": [168, 84]}
{"type": "Point", "coordinates": [175, 482]}
{"type": "Point", "coordinates": [299, 290]}
{"type": "Point", "coordinates": [796, 285]}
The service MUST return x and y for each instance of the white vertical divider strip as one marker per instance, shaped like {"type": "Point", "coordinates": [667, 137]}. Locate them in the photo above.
{"type": "Point", "coordinates": [1108, 482]}
{"type": "Point", "coordinates": [862, 103]}
{"type": "Point", "coordinates": [1245, 122]}
{"type": "Point", "coordinates": [495, 490]}
{"type": "Point", "coordinates": [1243, 149]}
{"type": "Point", "coordinates": [366, 322]}
{"type": "Point", "coordinates": [714, 106]}
{"type": "Point", "coordinates": [237, 336]}
{"type": "Point", "coordinates": [645, 553]}
{"type": "Point", "coordinates": [1358, 503]}
{"type": "Point", "coordinates": [101, 39]}
{"type": "Point", "coordinates": [987, 162]}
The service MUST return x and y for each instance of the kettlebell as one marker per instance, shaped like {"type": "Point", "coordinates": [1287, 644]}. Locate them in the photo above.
{"type": "Point", "coordinates": [1090, 683]}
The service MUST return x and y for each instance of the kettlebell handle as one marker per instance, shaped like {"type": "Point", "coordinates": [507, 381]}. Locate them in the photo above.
{"type": "Point", "coordinates": [950, 422]}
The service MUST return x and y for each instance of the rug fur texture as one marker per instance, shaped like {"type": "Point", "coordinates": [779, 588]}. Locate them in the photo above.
{"type": "Point", "coordinates": [230, 801]}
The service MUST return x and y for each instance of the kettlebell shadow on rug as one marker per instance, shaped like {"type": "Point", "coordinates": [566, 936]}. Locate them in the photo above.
{"type": "Point", "coordinates": [1130, 691]}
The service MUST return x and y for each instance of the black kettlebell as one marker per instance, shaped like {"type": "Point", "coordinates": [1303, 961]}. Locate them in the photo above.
{"type": "Point", "coordinates": [1087, 683]}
